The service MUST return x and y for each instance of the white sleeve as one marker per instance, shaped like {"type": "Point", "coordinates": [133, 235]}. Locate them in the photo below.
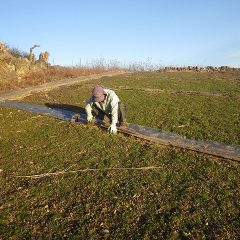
{"type": "Point", "coordinates": [114, 112]}
{"type": "Point", "coordinates": [88, 107]}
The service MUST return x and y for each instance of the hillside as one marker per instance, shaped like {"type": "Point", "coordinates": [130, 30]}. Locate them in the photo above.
{"type": "Point", "coordinates": [63, 180]}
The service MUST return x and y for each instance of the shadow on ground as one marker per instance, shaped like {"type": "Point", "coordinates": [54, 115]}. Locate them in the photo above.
{"type": "Point", "coordinates": [68, 107]}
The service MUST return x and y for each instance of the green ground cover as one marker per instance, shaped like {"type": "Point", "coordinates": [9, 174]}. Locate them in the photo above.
{"type": "Point", "coordinates": [190, 195]}
{"type": "Point", "coordinates": [198, 117]}
{"type": "Point", "coordinates": [226, 83]}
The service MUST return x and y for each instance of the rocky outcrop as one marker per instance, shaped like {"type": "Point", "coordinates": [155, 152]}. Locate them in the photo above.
{"type": "Point", "coordinates": [42, 61]}
{"type": "Point", "coordinates": [20, 65]}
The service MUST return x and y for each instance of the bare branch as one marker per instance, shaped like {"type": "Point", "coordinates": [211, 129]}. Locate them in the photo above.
{"type": "Point", "coordinates": [49, 174]}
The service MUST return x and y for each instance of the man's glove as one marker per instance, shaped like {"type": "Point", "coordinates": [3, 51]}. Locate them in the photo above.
{"type": "Point", "coordinates": [112, 129]}
{"type": "Point", "coordinates": [89, 119]}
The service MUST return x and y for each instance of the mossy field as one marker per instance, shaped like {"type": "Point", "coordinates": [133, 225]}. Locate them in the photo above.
{"type": "Point", "coordinates": [187, 196]}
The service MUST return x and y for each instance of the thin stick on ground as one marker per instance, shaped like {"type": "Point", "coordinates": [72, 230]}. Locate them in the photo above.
{"type": "Point", "coordinates": [49, 174]}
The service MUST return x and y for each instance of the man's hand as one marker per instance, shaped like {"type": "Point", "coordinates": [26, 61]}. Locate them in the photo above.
{"type": "Point", "coordinates": [112, 129]}
{"type": "Point", "coordinates": [89, 119]}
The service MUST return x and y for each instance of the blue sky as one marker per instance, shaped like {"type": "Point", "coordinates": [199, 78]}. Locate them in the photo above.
{"type": "Point", "coordinates": [169, 32]}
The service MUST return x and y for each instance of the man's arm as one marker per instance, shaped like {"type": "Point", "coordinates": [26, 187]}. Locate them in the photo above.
{"type": "Point", "coordinates": [113, 128]}
{"type": "Point", "coordinates": [115, 113]}
{"type": "Point", "coordinates": [88, 109]}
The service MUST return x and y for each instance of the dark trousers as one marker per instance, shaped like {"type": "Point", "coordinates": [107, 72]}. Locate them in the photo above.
{"type": "Point", "coordinates": [97, 112]}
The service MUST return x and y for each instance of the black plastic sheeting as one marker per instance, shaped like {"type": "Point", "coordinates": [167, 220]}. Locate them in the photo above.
{"type": "Point", "coordinates": [168, 138]}
{"type": "Point", "coordinates": [151, 134]}
{"type": "Point", "coordinates": [59, 113]}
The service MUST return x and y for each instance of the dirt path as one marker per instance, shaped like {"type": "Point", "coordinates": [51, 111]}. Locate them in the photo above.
{"type": "Point", "coordinates": [172, 91]}
{"type": "Point", "coordinates": [20, 93]}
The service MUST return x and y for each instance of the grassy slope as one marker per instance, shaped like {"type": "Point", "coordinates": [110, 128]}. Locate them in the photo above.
{"type": "Point", "coordinates": [207, 118]}
{"type": "Point", "coordinates": [190, 196]}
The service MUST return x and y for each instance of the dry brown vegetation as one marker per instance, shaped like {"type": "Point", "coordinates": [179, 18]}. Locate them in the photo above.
{"type": "Point", "coordinates": [19, 69]}
{"type": "Point", "coordinates": [47, 75]}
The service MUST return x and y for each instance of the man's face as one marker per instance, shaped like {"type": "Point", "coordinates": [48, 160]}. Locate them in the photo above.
{"type": "Point", "coordinates": [99, 97]}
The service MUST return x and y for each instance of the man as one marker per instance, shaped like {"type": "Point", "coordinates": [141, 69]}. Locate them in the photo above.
{"type": "Point", "coordinates": [106, 103]}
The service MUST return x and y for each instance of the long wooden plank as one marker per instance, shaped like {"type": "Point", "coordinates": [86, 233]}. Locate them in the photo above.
{"type": "Point", "coordinates": [208, 147]}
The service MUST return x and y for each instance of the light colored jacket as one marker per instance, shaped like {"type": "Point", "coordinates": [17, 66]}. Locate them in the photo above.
{"type": "Point", "coordinates": [109, 105]}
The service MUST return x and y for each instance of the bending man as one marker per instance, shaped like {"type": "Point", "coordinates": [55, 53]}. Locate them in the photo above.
{"type": "Point", "coordinates": [105, 102]}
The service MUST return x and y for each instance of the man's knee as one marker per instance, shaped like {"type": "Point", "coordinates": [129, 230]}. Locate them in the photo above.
{"type": "Point", "coordinates": [121, 113]}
